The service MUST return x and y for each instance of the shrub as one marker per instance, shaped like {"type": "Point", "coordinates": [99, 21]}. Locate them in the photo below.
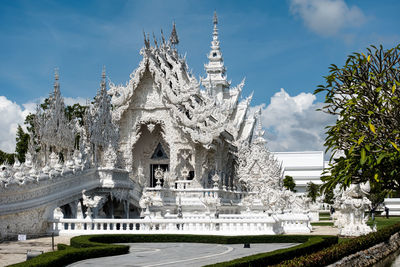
{"type": "Point", "coordinates": [83, 241]}
{"type": "Point", "coordinates": [69, 255]}
{"type": "Point", "coordinates": [313, 244]}
{"type": "Point", "coordinates": [336, 252]}
{"type": "Point", "coordinates": [62, 246]}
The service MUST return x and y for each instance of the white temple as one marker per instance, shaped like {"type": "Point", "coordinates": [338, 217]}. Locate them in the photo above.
{"type": "Point", "coordinates": [165, 153]}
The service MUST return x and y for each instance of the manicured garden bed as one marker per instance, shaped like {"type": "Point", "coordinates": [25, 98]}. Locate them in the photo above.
{"type": "Point", "coordinates": [93, 246]}
{"type": "Point", "coordinates": [345, 248]}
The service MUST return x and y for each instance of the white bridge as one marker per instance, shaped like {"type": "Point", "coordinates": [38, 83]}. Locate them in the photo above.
{"type": "Point", "coordinates": [27, 203]}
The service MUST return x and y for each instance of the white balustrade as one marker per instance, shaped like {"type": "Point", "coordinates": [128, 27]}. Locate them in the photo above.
{"type": "Point", "coordinates": [232, 226]}
{"type": "Point", "coordinates": [295, 223]}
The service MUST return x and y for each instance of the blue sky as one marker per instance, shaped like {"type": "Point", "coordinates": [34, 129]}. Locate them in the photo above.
{"type": "Point", "coordinates": [274, 44]}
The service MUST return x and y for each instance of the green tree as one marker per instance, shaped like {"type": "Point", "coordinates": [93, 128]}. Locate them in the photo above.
{"type": "Point", "coordinates": [312, 191]}
{"type": "Point", "coordinates": [377, 195]}
{"type": "Point", "coordinates": [21, 146]}
{"type": "Point", "coordinates": [328, 196]}
{"type": "Point", "coordinates": [76, 111]}
{"type": "Point", "coordinates": [364, 95]}
{"type": "Point", "coordinates": [30, 123]}
{"type": "Point", "coordinates": [6, 158]}
{"type": "Point", "coordinates": [289, 183]}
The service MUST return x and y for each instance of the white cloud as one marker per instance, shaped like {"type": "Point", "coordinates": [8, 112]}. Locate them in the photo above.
{"type": "Point", "coordinates": [12, 114]}
{"type": "Point", "coordinates": [293, 124]}
{"type": "Point", "coordinates": [69, 101]}
{"type": "Point", "coordinates": [327, 17]}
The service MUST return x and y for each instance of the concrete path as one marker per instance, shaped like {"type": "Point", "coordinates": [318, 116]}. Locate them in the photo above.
{"type": "Point", "coordinates": [180, 254]}
{"type": "Point", "coordinates": [12, 252]}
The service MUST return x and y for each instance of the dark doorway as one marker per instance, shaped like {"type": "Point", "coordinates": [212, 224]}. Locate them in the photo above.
{"type": "Point", "coordinates": [153, 167]}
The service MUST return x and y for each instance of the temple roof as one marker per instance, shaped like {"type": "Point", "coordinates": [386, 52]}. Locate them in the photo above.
{"type": "Point", "coordinates": [198, 113]}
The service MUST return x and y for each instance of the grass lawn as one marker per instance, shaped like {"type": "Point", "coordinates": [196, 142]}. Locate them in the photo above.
{"type": "Point", "coordinates": [322, 223]}
{"type": "Point", "coordinates": [325, 218]}
{"type": "Point", "coordinates": [382, 222]}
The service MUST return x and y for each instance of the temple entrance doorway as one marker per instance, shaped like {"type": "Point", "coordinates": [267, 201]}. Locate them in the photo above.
{"type": "Point", "coordinates": [153, 168]}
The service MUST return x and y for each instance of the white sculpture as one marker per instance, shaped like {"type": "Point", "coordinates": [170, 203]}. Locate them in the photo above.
{"type": "Point", "coordinates": [350, 208]}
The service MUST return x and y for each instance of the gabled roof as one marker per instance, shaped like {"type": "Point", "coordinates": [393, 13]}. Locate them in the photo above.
{"type": "Point", "coordinates": [198, 114]}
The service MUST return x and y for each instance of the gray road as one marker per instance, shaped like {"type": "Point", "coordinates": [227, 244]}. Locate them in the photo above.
{"type": "Point", "coordinates": [180, 254]}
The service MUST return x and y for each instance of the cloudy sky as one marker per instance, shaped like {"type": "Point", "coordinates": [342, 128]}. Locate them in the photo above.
{"type": "Point", "coordinates": [273, 44]}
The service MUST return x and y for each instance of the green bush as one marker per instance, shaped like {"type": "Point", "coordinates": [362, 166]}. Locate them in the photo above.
{"type": "Point", "coordinates": [62, 246]}
{"type": "Point", "coordinates": [69, 255]}
{"type": "Point", "coordinates": [336, 252]}
{"type": "Point", "coordinates": [314, 243]}
{"type": "Point", "coordinates": [85, 241]}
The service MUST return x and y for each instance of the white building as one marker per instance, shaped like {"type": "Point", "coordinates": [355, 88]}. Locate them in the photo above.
{"type": "Point", "coordinates": [162, 147]}
{"type": "Point", "coordinates": [303, 166]}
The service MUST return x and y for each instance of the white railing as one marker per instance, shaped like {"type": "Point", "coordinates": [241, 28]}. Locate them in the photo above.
{"type": "Point", "coordinates": [295, 223]}
{"type": "Point", "coordinates": [265, 226]}
{"type": "Point", "coordinates": [190, 192]}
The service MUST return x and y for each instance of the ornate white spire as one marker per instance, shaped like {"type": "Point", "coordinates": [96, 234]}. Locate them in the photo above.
{"type": "Point", "coordinates": [56, 82]}
{"type": "Point", "coordinates": [174, 36]}
{"type": "Point", "coordinates": [103, 86]}
{"type": "Point", "coordinates": [216, 80]}
{"type": "Point", "coordinates": [259, 131]}
{"type": "Point", "coordinates": [101, 130]}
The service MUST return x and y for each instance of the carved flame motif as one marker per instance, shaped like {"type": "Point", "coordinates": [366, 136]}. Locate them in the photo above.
{"type": "Point", "coordinates": [159, 173]}
{"type": "Point", "coordinates": [185, 172]}
{"type": "Point", "coordinates": [151, 127]}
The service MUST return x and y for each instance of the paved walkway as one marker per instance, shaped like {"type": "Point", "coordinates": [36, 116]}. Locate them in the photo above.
{"type": "Point", "coordinates": [180, 254]}
{"type": "Point", "coordinates": [15, 251]}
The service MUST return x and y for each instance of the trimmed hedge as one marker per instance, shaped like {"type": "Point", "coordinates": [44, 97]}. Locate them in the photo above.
{"type": "Point", "coordinates": [314, 243]}
{"type": "Point", "coordinates": [88, 240]}
{"type": "Point", "coordinates": [94, 246]}
{"type": "Point", "coordinates": [337, 252]}
{"type": "Point", "coordinates": [70, 255]}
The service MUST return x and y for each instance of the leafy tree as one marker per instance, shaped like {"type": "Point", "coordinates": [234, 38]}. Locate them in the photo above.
{"type": "Point", "coordinates": [364, 95]}
{"type": "Point", "coordinates": [328, 196]}
{"type": "Point", "coordinates": [289, 183]}
{"type": "Point", "coordinates": [6, 158]}
{"type": "Point", "coordinates": [377, 195]}
{"type": "Point", "coordinates": [77, 112]}
{"type": "Point", "coordinates": [30, 123]}
{"type": "Point", "coordinates": [312, 191]}
{"type": "Point", "coordinates": [21, 146]}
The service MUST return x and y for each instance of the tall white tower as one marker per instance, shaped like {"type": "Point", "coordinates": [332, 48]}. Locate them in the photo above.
{"type": "Point", "coordinates": [216, 82]}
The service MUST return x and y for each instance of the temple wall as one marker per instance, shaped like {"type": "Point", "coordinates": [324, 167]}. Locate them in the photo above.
{"type": "Point", "coordinates": [145, 124]}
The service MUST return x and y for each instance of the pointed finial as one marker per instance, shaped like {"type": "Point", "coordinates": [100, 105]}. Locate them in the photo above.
{"type": "Point", "coordinates": [259, 131]}
{"type": "Point", "coordinates": [155, 40]}
{"type": "Point", "coordinates": [56, 75]}
{"type": "Point", "coordinates": [259, 126]}
{"type": "Point", "coordinates": [56, 78]}
{"type": "Point", "coordinates": [162, 37]}
{"type": "Point", "coordinates": [174, 36]}
{"type": "Point", "coordinates": [146, 40]}
{"type": "Point", "coordinates": [103, 73]}
{"type": "Point", "coordinates": [103, 80]}
{"type": "Point", "coordinates": [215, 20]}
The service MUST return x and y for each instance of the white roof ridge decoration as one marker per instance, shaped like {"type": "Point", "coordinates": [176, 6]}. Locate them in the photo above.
{"type": "Point", "coordinates": [204, 119]}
